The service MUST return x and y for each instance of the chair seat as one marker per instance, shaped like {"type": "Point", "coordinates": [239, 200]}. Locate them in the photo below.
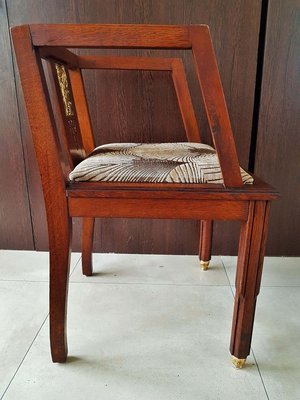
{"type": "Point", "coordinates": [157, 163]}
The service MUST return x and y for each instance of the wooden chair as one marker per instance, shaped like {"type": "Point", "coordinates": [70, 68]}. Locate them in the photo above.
{"type": "Point", "coordinates": [58, 153]}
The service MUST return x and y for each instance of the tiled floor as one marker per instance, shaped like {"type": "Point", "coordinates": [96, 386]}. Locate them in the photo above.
{"type": "Point", "coordinates": [147, 327]}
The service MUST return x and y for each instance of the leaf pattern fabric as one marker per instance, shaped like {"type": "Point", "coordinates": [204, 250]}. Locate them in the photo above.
{"type": "Point", "coordinates": [152, 162]}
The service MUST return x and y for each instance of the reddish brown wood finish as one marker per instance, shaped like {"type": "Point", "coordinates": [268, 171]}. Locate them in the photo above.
{"type": "Point", "coordinates": [73, 136]}
{"type": "Point", "coordinates": [205, 243]}
{"type": "Point", "coordinates": [185, 102]}
{"type": "Point", "coordinates": [59, 54]}
{"type": "Point", "coordinates": [64, 200]}
{"type": "Point", "coordinates": [215, 104]}
{"type": "Point", "coordinates": [248, 277]}
{"type": "Point", "coordinates": [82, 110]}
{"type": "Point", "coordinates": [170, 208]}
{"type": "Point", "coordinates": [130, 63]}
{"type": "Point", "coordinates": [42, 128]}
{"type": "Point", "coordinates": [111, 36]}
{"type": "Point", "coordinates": [87, 245]}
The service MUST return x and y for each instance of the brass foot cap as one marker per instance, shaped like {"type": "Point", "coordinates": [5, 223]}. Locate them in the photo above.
{"type": "Point", "coordinates": [204, 265]}
{"type": "Point", "coordinates": [238, 362]}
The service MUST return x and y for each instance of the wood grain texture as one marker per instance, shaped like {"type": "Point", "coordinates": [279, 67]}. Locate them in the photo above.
{"type": "Point", "coordinates": [248, 276]}
{"type": "Point", "coordinates": [15, 227]}
{"type": "Point", "coordinates": [46, 145]}
{"type": "Point", "coordinates": [111, 35]}
{"type": "Point", "coordinates": [258, 191]}
{"type": "Point", "coordinates": [87, 238]}
{"type": "Point", "coordinates": [131, 102]}
{"type": "Point", "coordinates": [215, 105]}
{"type": "Point", "coordinates": [278, 142]}
{"type": "Point", "coordinates": [157, 208]}
{"type": "Point", "coordinates": [185, 101]}
{"type": "Point", "coordinates": [131, 63]}
{"type": "Point", "coordinates": [205, 241]}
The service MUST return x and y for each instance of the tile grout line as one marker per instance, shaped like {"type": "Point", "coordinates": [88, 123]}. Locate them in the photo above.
{"type": "Point", "coordinates": [74, 268]}
{"type": "Point", "coordinates": [143, 283]}
{"type": "Point", "coordinates": [33, 340]}
{"type": "Point", "coordinates": [256, 363]}
{"type": "Point", "coordinates": [265, 389]}
{"type": "Point", "coordinates": [148, 284]}
{"type": "Point", "coordinates": [40, 281]}
{"type": "Point", "coordinates": [225, 270]}
{"type": "Point", "coordinates": [21, 362]}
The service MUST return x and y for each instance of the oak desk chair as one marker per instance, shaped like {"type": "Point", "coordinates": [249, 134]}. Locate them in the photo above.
{"type": "Point", "coordinates": [182, 180]}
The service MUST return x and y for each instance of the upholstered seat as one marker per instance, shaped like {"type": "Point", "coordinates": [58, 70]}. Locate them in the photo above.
{"type": "Point", "coordinates": [163, 162]}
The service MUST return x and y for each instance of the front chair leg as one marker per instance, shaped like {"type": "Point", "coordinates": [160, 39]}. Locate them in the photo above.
{"type": "Point", "coordinates": [248, 277]}
{"type": "Point", "coordinates": [60, 234]}
{"type": "Point", "coordinates": [87, 245]}
{"type": "Point", "coordinates": [205, 243]}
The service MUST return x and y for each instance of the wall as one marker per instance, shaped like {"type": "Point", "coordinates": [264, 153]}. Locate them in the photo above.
{"type": "Point", "coordinates": [141, 106]}
{"type": "Point", "coordinates": [278, 146]}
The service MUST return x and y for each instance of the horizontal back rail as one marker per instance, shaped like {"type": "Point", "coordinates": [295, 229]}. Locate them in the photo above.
{"type": "Point", "coordinates": [111, 36]}
{"type": "Point", "coordinates": [130, 63]}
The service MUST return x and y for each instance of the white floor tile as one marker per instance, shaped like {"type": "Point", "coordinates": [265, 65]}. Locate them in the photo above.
{"type": "Point", "coordinates": [156, 269]}
{"type": "Point", "coordinates": [278, 271]}
{"type": "Point", "coordinates": [23, 308]}
{"type": "Point", "coordinates": [27, 265]}
{"type": "Point", "coordinates": [141, 342]}
{"type": "Point", "coordinates": [276, 341]}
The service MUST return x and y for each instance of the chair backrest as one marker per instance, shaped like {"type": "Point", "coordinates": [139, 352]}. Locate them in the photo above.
{"type": "Point", "coordinates": [33, 43]}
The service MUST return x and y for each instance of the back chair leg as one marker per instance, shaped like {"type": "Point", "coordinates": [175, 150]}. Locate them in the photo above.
{"type": "Point", "coordinates": [87, 245]}
{"type": "Point", "coordinates": [205, 243]}
{"type": "Point", "coordinates": [248, 277]}
{"type": "Point", "coordinates": [60, 235]}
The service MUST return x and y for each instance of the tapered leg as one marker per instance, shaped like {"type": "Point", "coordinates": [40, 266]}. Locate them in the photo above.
{"type": "Point", "coordinates": [59, 243]}
{"type": "Point", "coordinates": [249, 269]}
{"type": "Point", "coordinates": [87, 245]}
{"type": "Point", "coordinates": [205, 243]}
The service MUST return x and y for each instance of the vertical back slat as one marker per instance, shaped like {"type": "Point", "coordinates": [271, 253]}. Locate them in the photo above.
{"type": "Point", "coordinates": [185, 101]}
{"type": "Point", "coordinates": [215, 104]}
{"type": "Point", "coordinates": [68, 111]}
{"type": "Point", "coordinates": [82, 109]}
{"type": "Point", "coordinates": [60, 125]}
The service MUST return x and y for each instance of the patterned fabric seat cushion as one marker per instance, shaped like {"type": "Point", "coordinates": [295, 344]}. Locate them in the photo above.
{"type": "Point", "coordinates": [160, 163]}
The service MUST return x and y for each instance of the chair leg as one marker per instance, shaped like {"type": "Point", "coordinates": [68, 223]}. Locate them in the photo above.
{"type": "Point", "coordinates": [248, 277]}
{"type": "Point", "coordinates": [87, 245]}
{"type": "Point", "coordinates": [205, 243]}
{"type": "Point", "coordinates": [59, 242]}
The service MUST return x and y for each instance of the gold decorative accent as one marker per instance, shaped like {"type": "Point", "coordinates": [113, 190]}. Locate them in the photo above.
{"type": "Point", "coordinates": [204, 265]}
{"type": "Point", "coordinates": [238, 363]}
{"type": "Point", "coordinates": [64, 88]}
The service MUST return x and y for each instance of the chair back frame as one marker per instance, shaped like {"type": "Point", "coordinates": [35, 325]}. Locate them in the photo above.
{"type": "Point", "coordinates": [51, 42]}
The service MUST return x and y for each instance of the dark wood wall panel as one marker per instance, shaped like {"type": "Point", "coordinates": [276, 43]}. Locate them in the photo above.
{"type": "Point", "coordinates": [278, 144]}
{"type": "Point", "coordinates": [15, 222]}
{"type": "Point", "coordinates": [141, 106]}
